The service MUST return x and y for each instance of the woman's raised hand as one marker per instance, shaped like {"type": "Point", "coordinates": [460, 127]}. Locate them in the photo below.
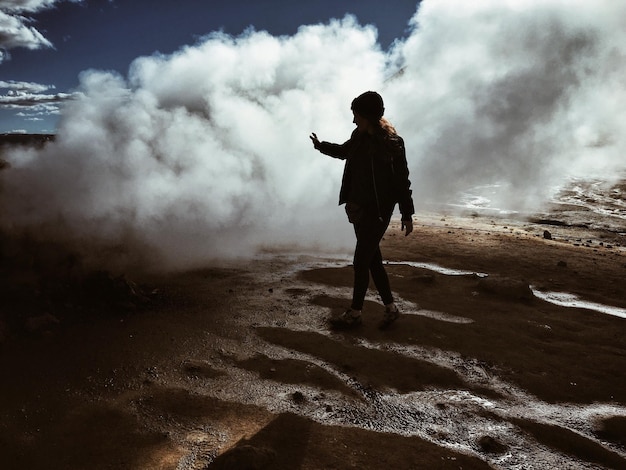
{"type": "Point", "coordinates": [314, 139]}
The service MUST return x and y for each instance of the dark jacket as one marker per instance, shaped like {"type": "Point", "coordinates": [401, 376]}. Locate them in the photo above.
{"type": "Point", "coordinates": [375, 172]}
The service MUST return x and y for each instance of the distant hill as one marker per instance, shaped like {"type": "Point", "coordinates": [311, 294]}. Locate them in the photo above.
{"type": "Point", "coordinates": [22, 140]}
{"type": "Point", "coordinates": [36, 140]}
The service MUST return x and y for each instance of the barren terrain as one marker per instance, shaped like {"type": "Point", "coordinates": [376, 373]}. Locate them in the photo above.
{"type": "Point", "coordinates": [233, 366]}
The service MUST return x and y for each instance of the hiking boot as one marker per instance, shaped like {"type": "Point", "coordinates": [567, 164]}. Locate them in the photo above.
{"type": "Point", "coordinates": [346, 320]}
{"type": "Point", "coordinates": [391, 315]}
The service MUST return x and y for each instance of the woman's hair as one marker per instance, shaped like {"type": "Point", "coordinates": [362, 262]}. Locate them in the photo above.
{"type": "Point", "coordinates": [386, 128]}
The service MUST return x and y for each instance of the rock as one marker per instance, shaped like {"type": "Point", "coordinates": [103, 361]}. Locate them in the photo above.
{"type": "Point", "coordinates": [491, 446]}
{"type": "Point", "coordinates": [547, 235]}
{"type": "Point", "coordinates": [612, 428]}
{"type": "Point", "coordinates": [506, 287]}
{"type": "Point", "coordinates": [104, 287]}
{"type": "Point", "coordinates": [244, 457]}
{"type": "Point", "coordinates": [562, 264]}
{"type": "Point", "coordinates": [298, 397]}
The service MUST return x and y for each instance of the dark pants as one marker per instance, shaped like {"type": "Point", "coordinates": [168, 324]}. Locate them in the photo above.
{"type": "Point", "coordinates": [368, 259]}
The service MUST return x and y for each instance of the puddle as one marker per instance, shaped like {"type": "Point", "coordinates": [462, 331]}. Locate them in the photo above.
{"type": "Point", "coordinates": [564, 299]}
{"type": "Point", "coordinates": [436, 268]}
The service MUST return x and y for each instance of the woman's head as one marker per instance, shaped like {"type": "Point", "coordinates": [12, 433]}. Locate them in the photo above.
{"type": "Point", "coordinates": [369, 105]}
{"type": "Point", "coordinates": [368, 109]}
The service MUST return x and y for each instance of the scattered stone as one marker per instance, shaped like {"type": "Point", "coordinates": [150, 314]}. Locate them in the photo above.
{"type": "Point", "coordinates": [506, 287]}
{"type": "Point", "coordinates": [562, 264]}
{"type": "Point", "coordinates": [298, 397]}
{"type": "Point", "coordinates": [491, 445]}
{"type": "Point", "coordinates": [547, 235]}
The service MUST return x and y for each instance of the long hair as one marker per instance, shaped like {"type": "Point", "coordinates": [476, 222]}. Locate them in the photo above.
{"type": "Point", "coordinates": [386, 128]}
{"type": "Point", "coordinates": [387, 137]}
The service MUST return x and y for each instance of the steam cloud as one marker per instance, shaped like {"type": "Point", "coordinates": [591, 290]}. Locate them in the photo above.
{"type": "Point", "coordinates": [205, 153]}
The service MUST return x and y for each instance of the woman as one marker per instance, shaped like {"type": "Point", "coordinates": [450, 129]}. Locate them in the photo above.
{"type": "Point", "coordinates": [375, 178]}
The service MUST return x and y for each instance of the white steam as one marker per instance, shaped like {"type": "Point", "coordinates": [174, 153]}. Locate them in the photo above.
{"type": "Point", "coordinates": [522, 93]}
{"type": "Point", "coordinates": [205, 153]}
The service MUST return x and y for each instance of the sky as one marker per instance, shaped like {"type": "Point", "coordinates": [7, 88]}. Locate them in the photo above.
{"type": "Point", "coordinates": [46, 44]}
{"type": "Point", "coordinates": [183, 140]}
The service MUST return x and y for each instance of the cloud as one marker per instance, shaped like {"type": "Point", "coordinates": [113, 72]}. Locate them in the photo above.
{"type": "Point", "coordinates": [26, 5]}
{"type": "Point", "coordinates": [14, 27]}
{"type": "Point", "coordinates": [25, 86]}
{"type": "Point", "coordinates": [14, 32]}
{"type": "Point", "coordinates": [30, 6]}
{"type": "Point", "coordinates": [24, 100]}
{"type": "Point", "coordinates": [204, 153]}
{"type": "Point", "coordinates": [32, 100]}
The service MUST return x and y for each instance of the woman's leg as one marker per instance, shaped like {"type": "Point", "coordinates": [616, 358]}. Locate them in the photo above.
{"type": "Point", "coordinates": [369, 231]}
{"type": "Point", "coordinates": [381, 280]}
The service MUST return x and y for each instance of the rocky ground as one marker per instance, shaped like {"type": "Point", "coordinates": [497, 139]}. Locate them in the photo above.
{"type": "Point", "coordinates": [233, 366]}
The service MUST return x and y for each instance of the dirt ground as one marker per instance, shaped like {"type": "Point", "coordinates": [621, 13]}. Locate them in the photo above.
{"type": "Point", "coordinates": [234, 366]}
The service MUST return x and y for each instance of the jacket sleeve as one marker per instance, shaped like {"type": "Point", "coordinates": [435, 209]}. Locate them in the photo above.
{"type": "Point", "coordinates": [340, 151]}
{"type": "Point", "coordinates": [401, 181]}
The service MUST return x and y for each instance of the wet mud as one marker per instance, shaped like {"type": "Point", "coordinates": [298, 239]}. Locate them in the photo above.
{"type": "Point", "coordinates": [234, 366]}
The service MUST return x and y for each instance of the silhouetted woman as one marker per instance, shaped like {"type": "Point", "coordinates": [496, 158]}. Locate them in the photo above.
{"type": "Point", "coordinates": [375, 178]}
